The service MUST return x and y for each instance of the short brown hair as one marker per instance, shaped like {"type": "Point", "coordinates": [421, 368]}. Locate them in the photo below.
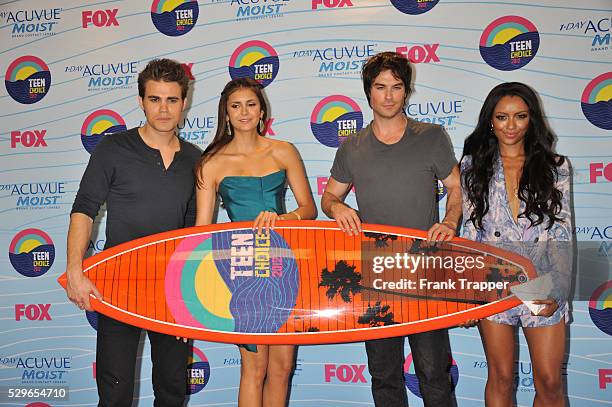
{"type": "Point", "coordinates": [165, 70]}
{"type": "Point", "coordinates": [383, 61]}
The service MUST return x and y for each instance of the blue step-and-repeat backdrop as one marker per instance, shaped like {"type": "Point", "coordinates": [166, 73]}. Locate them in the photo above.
{"type": "Point", "coordinates": [70, 69]}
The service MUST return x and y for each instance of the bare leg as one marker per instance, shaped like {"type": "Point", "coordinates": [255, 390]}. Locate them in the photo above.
{"type": "Point", "coordinates": [280, 366]}
{"type": "Point", "coordinates": [547, 350]}
{"type": "Point", "coordinates": [253, 369]}
{"type": "Point", "coordinates": [498, 341]}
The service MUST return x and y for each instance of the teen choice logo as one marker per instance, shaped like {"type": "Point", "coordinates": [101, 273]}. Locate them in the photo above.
{"type": "Point", "coordinates": [198, 371]}
{"type": "Point", "coordinates": [600, 307]}
{"type": "Point", "coordinates": [32, 252]}
{"type": "Point", "coordinates": [174, 17]}
{"type": "Point", "coordinates": [441, 190]}
{"type": "Point", "coordinates": [597, 101]}
{"type": "Point", "coordinates": [414, 6]}
{"type": "Point", "coordinates": [99, 124]}
{"type": "Point", "coordinates": [412, 382]}
{"type": "Point", "coordinates": [254, 59]}
{"type": "Point", "coordinates": [235, 281]}
{"type": "Point", "coordinates": [27, 79]}
{"type": "Point", "coordinates": [92, 318]}
{"type": "Point", "coordinates": [509, 43]}
{"type": "Point", "coordinates": [334, 119]}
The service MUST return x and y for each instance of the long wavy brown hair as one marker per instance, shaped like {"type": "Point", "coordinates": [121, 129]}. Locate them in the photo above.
{"type": "Point", "coordinates": [223, 136]}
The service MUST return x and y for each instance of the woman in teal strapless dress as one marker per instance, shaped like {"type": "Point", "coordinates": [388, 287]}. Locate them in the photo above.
{"type": "Point", "coordinates": [249, 172]}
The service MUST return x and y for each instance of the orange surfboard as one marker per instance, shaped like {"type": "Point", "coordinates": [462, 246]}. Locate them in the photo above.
{"type": "Point", "coordinates": [305, 282]}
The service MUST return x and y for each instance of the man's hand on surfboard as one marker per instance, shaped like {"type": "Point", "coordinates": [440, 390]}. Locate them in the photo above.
{"type": "Point", "coordinates": [443, 231]}
{"type": "Point", "coordinates": [549, 309]}
{"type": "Point", "coordinates": [346, 218]}
{"type": "Point", "coordinates": [469, 323]}
{"type": "Point", "coordinates": [78, 288]}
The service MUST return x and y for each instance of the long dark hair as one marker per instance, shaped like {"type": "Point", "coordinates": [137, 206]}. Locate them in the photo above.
{"type": "Point", "coordinates": [540, 170]}
{"type": "Point", "coordinates": [223, 136]}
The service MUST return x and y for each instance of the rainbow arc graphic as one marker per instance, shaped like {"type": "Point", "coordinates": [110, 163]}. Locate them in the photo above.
{"type": "Point", "coordinates": [166, 19]}
{"type": "Point", "coordinates": [97, 125]}
{"type": "Point", "coordinates": [596, 101]}
{"type": "Point", "coordinates": [24, 78]}
{"type": "Point", "coordinates": [254, 59]}
{"type": "Point", "coordinates": [600, 307]}
{"type": "Point", "coordinates": [27, 249]}
{"type": "Point", "coordinates": [326, 116]}
{"type": "Point", "coordinates": [509, 43]}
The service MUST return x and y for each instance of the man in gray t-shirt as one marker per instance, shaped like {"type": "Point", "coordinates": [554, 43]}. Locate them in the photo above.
{"type": "Point", "coordinates": [394, 164]}
{"type": "Point", "coordinates": [395, 183]}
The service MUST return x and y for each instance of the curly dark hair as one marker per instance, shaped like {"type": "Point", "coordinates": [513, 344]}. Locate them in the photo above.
{"type": "Point", "coordinates": [540, 170]}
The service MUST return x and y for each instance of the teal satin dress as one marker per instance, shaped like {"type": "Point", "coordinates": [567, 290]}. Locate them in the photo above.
{"type": "Point", "coordinates": [244, 197]}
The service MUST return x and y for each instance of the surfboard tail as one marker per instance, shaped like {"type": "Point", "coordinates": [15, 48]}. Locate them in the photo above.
{"type": "Point", "coordinates": [63, 280]}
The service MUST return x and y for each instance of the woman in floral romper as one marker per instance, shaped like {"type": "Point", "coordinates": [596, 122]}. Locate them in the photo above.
{"type": "Point", "coordinates": [516, 196]}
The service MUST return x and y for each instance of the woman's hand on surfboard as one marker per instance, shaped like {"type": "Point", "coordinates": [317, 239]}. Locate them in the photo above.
{"type": "Point", "coordinates": [265, 220]}
{"type": "Point", "coordinates": [78, 288]}
{"type": "Point", "coordinates": [346, 218]}
{"type": "Point", "coordinates": [551, 307]}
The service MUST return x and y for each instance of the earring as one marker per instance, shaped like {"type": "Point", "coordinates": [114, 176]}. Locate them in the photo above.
{"type": "Point", "coordinates": [261, 126]}
{"type": "Point", "coordinates": [229, 128]}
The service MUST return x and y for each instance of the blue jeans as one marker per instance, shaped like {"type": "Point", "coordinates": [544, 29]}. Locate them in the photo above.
{"type": "Point", "coordinates": [431, 358]}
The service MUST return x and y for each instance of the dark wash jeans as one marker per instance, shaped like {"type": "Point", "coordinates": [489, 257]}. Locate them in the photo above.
{"type": "Point", "coordinates": [117, 346]}
{"type": "Point", "coordinates": [431, 358]}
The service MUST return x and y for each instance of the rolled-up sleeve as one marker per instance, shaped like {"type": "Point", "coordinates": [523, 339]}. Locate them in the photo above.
{"type": "Point", "coordinates": [96, 180]}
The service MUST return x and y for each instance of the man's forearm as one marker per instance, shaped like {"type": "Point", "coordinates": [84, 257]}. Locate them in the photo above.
{"type": "Point", "coordinates": [327, 202]}
{"type": "Point", "coordinates": [79, 233]}
{"type": "Point", "coordinates": [453, 206]}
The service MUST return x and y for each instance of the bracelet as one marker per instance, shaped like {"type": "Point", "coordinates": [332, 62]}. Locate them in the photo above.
{"type": "Point", "coordinates": [297, 215]}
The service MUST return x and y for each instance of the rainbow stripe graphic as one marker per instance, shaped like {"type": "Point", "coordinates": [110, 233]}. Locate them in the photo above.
{"type": "Point", "coordinates": [596, 101]}
{"type": "Point", "coordinates": [97, 125]}
{"type": "Point", "coordinates": [174, 17]}
{"type": "Point", "coordinates": [208, 287]}
{"type": "Point", "coordinates": [254, 59]}
{"type": "Point", "coordinates": [600, 307]}
{"type": "Point", "coordinates": [334, 119]}
{"type": "Point", "coordinates": [27, 79]}
{"type": "Point", "coordinates": [32, 252]}
{"type": "Point", "coordinates": [509, 43]}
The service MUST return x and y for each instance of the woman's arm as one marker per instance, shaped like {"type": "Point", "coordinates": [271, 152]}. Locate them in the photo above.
{"type": "Point", "coordinates": [206, 195]}
{"type": "Point", "coordinates": [296, 175]}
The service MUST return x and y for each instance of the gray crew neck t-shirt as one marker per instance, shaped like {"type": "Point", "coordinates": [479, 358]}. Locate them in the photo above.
{"type": "Point", "coordinates": [395, 184]}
